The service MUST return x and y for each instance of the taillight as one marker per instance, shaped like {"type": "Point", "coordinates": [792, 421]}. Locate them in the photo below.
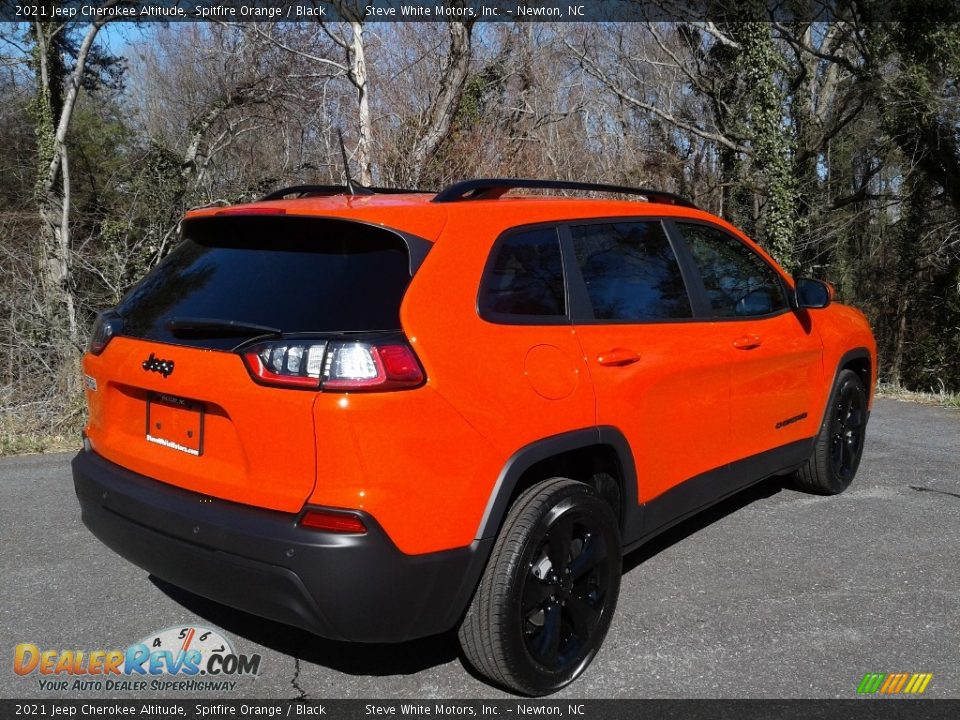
{"type": "Point", "coordinates": [334, 364]}
{"type": "Point", "coordinates": [332, 521]}
{"type": "Point", "coordinates": [104, 329]}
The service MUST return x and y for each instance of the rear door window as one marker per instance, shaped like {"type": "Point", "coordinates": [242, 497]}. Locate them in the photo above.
{"type": "Point", "coordinates": [298, 275]}
{"type": "Point", "coordinates": [630, 272]}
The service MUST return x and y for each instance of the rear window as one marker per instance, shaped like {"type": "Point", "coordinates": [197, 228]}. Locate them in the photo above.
{"type": "Point", "coordinates": [299, 275]}
{"type": "Point", "coordinates": [524, 281]}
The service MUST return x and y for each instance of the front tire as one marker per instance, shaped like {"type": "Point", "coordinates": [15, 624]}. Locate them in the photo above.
{"type": "Point", "coordinates": [839, 444]}
{"type": "Point", "coordinates": [549, 591]}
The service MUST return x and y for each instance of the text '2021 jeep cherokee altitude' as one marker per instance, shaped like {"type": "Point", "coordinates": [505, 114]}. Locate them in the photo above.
{"type": "Point", "coordinates": [381, 416]}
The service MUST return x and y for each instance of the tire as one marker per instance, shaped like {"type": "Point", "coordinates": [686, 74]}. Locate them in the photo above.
{"type": "Point", "coordinates": [839, 444]}
{"type": "Point", "coordinates": [549, 591]}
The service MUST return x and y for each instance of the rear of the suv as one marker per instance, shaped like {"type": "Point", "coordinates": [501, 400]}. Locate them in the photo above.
{"type": "Point", "coordinates": [260, 365]}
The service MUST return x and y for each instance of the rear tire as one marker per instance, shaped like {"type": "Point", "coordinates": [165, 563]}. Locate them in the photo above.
{"type": "Point", "coordinates": [839, 444]}
{"type": "Point", "coordinates": [549, 590]}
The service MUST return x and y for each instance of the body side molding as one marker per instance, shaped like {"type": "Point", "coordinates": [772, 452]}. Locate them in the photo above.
{"type": "Point", "coordinates": [639, 523]}
{"type": "Point", "coordinates": [701, 491]}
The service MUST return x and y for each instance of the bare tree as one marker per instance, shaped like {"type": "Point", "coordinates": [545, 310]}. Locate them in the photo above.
{"type": "Point", "coordinates": [57, 90]}
{"type": "Point", "coordinates": [445, 102]}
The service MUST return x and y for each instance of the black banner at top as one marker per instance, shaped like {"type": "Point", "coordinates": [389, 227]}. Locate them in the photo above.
{"type": "Point", "coordinates": [385, 11]}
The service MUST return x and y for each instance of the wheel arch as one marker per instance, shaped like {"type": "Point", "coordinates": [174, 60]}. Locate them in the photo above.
{"type": "Point", "coordinates": [859, 360]}
{"type": "Point", "coordinates": [571, 454]}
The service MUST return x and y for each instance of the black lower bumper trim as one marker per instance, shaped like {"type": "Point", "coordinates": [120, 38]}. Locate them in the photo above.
{"type": "Point", "coordinates": [343, 587]}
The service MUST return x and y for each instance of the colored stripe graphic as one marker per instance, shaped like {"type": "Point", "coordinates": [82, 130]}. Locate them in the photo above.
{"type": "Point", "coordinates": [871, 683]}
{"type": "Point", "coordinates": [900, 683]}
{"type": "Point", "coordinates": [927, 677]}
{"type": "Point", "coordinates": [889, 683]}
{"type": "Point", "coordinates": [894, 683]}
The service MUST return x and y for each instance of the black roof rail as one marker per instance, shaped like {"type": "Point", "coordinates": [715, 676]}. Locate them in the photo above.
{"type": "Point", "coordinates": [492, 188]}
{"type": "Point", "coordinates": [308, 190]}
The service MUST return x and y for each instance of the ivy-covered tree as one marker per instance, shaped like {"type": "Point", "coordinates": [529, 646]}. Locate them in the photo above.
{"type": "Point", "coordinates": [64, 59]}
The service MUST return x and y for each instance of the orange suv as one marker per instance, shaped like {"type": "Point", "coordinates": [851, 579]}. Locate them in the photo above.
{"type": "Point", "coordinates": [382, 415]}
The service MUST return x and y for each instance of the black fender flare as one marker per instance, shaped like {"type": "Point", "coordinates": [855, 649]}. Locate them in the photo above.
{"type": "Point", "coordinates": [857, 353]}
{"type": "Point", "coordinates": [529, 455]}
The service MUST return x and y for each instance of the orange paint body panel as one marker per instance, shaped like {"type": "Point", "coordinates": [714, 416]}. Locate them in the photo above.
{"type": "Point", "coordinates": [258, 443]}
{"type": "Point", "coordinates": [673, 404]}
{"type": "Point", "coordinates": [410, 460]}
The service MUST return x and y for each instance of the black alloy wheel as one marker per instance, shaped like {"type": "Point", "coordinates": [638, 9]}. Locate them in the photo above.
{"type": "Point", "coordinates": [847, 430]}
{"type": "Point", "coordinates": [549, 591]}
{"type": "Point", "coordinates": [838, 447]}
{"type": "Point", "coordinates": [565, 590]}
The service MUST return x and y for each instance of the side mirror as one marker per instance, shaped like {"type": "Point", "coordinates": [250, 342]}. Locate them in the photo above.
{"type": "Point", "coordinates": [812, 293]}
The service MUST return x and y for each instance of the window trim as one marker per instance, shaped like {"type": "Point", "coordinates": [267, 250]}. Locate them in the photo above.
{"type": "Point", "coordinates": [703, 300]}
{"type": "Point", "coordinates": [483, 310]}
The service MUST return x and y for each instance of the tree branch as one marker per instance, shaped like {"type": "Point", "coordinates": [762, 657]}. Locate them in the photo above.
{"type": "Point", "coordinates": [591, 69]}
{"type": "Point", "coordinates": [73, 90]}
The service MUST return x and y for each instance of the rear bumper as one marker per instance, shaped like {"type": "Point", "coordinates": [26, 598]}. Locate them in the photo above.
{"type": "Point", "coordinates": [343, 587]}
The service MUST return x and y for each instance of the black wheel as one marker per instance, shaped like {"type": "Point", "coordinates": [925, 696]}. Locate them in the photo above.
{"type": "Point", "coordinates": [839, 445]}
{"type": "Point", "coordinates": [549, 591]}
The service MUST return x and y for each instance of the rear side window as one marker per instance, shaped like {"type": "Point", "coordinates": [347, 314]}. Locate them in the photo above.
{"type": "Point", "coordinates": [525, 278]}
{"type": "Point", "coordinates": [737, 281]}
{"type": "Point", "coordinates": [299, 275]}
{"type": "Point", "coordinates": [630, 271]}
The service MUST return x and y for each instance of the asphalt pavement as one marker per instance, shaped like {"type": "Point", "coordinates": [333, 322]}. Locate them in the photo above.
{"type": "Point", "coordinates": [773, 594]}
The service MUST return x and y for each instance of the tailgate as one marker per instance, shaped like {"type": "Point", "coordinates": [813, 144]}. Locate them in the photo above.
{"type": "Point", "coordinates": [174, 361]}
{"type": "Point", "coordinates": [211, 428]}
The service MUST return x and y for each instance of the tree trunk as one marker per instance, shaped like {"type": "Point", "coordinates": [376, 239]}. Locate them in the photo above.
{"type": "Point", "coordinates": [899, 342]}
{"type": "Point", "coordinates": [56, 97]}
{"type": "Point", "coordinates": [53, 203]}
{"type": "Point", "coordinates": [453, 78]}
{"type": "Point", "coordinates": [358, 72]}
{"type": "Point", "coordinates": [773, 144]}
{"type": "Point", "coordinates": [59, 307]}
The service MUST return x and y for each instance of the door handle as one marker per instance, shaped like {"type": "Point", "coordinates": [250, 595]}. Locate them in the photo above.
{"type": "Point", "coordinates": [618, 357]}
{"type": "Point", "coordinates": [747, 342]}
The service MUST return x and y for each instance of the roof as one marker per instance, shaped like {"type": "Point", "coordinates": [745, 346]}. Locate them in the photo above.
{"type": "Point", "coordinates": [425, 214]}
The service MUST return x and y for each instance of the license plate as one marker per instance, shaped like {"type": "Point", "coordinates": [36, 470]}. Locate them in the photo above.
{"type": "Point", "coordinates": [175, 423]}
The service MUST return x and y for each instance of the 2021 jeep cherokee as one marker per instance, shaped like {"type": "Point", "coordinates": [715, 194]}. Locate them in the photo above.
{"type": "Point", "coordinates": [381, 416]}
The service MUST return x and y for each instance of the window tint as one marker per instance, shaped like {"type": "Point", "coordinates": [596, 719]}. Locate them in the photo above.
{"type": "Point", "coordinates": [738, 282]}
{"type": "Point", "coordinates": [294, 274]}
{"type": "Point", "coordinates": [630, 271]}
{"type": "Point", "coordinates": [526, 277]}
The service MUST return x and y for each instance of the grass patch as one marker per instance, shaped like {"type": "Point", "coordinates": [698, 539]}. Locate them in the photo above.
{"type": "Point", "coordinates": [940, 398]}
{"type": "Point", "coordinates": [41, 426]}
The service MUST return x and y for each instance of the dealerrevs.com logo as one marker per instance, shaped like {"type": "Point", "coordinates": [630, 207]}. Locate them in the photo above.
{"type": "Point", "coordinates": [175, 659]}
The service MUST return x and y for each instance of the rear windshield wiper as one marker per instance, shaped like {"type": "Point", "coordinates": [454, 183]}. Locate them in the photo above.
{"type": "Point", "coordinates": [210, 327]}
